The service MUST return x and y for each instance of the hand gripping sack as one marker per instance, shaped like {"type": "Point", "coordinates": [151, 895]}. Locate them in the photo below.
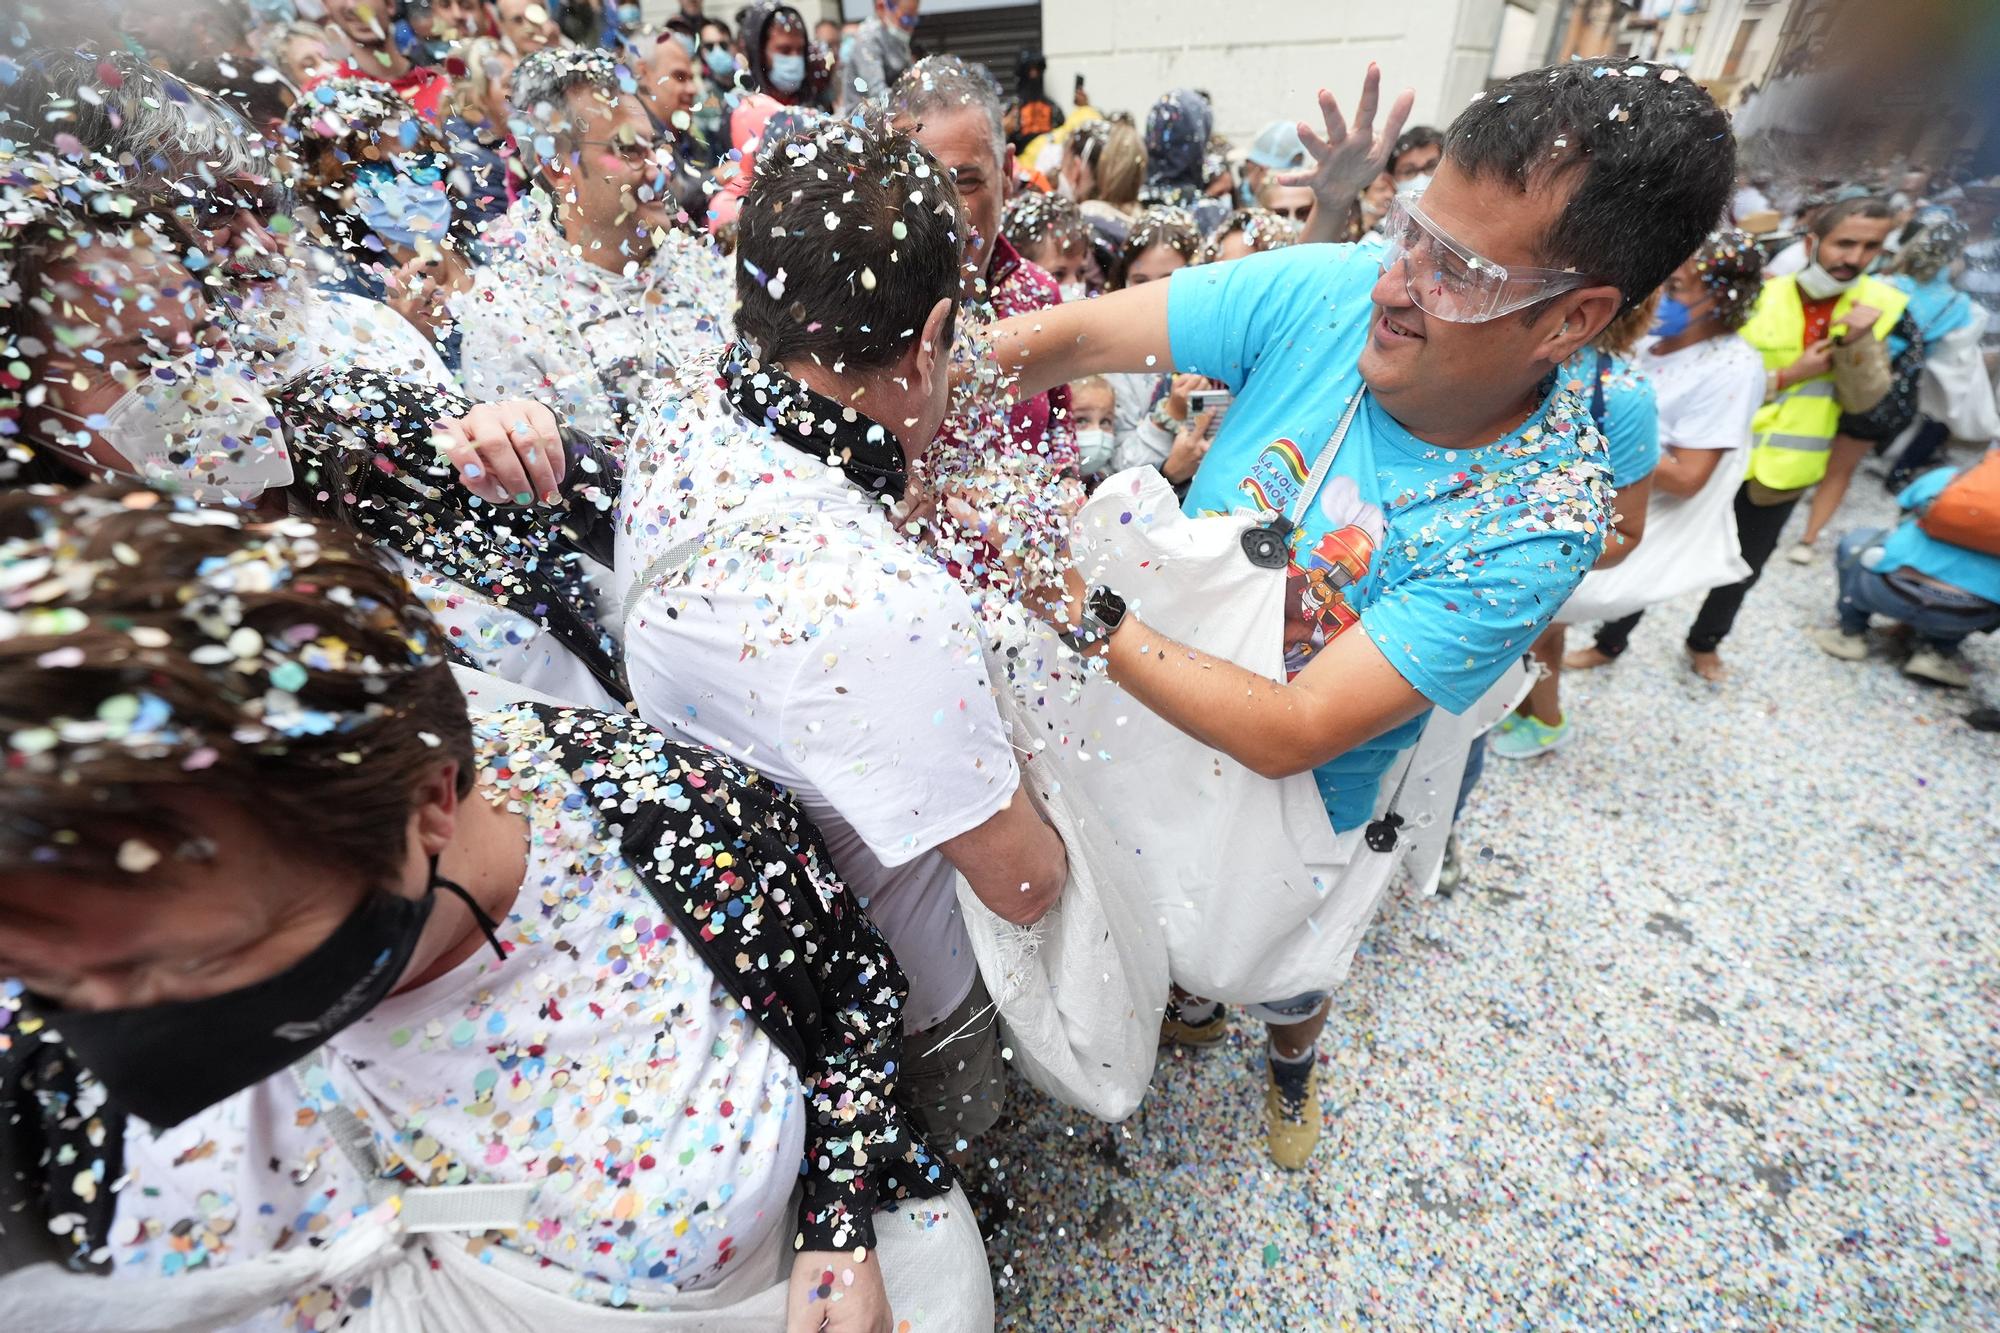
{"type": "Point", "coordinates": [1255, 893]}
{"type": "Point", "coordinates": [1080, 992]}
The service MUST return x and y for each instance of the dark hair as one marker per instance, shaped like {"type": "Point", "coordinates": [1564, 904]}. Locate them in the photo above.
{"type": "Point", "coordinates": [1650, 155]}
{"type": "Point", "coordinates": [1174, 228]}
{"type": "Point", "coordinates": [282, 667]}
{"type": "Point", "coordinates": [1033, 217]}
{"type": "Point", "coordinates": [1872, 207]}
{"type": "Point", "coordinates": [1262, 230]}
{"type": "Point", "coordinates": [849, 236]}
{"type": "Point", "coordinates": [1415, 137]}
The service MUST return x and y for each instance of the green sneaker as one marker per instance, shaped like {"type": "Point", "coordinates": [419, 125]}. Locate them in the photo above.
{"type": "Point", "coordinates": [1529, 737]}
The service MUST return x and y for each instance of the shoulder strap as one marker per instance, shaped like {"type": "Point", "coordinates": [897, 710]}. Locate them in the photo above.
{"type": "Point", "coordinates": [1597, 390]}
{"type": "Point", "coordinates": [1324, 463]}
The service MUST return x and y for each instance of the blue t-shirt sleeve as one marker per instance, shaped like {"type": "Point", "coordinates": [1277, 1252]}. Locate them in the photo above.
{"type": "Point", "coordinates": [1223, 318]}
{"type": "Point", "coordinates": [1633, 431]}
{"type": "Point", "coordinates": [1452, 624]}
{"type": "Point", "coordinates": [1925, 488]}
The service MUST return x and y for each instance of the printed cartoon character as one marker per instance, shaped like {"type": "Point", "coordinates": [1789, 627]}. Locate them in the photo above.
{"type": "Point", "coordinates": [1338, 559]}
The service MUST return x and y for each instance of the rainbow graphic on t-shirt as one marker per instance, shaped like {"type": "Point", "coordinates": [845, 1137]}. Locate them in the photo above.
{"type": "Point", "coordinates": [1276, 476]}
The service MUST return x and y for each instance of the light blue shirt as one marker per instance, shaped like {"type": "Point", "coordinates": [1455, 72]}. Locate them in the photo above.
{"type": "Point", "coordinates": [1910, 547]}
{"type": "Point", "coordinates": [1451, 561]}
{"type": "Point", "coordinates": [1631, 421]}
{"type": "Point", "coordinates": [1936, 307]}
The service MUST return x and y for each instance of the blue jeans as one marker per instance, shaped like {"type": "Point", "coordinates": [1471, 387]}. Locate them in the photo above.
{"type": "Point", "coordinates": [1942, 618]}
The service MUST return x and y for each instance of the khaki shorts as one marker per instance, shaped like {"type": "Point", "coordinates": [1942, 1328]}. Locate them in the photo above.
{"type": "Point", "coordinates": [953, 1080]}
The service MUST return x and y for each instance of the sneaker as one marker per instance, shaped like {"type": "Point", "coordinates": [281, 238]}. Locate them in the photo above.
{"type": "Point", "coordinates": [1506, 724]}
{"type": "Point", "coordinates": [1839, 643]}
{"type": "Point", "coordinates": [1528, 737]}
{"type": "Point", "coordinates": [1452, 872]}
{"type": "Point", "coordinates": [1175, 1032]}
{"type": "Point", "coordinates": [1291, 1128]}
{"type": "Point", "coordinates": [1938, 668]}
{"type": "Point", "coordinates": [1800, 554]}
{"type": "Point", "coordinates": [1983, 718]}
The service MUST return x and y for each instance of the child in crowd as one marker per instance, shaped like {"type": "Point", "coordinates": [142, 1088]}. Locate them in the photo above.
{"type": "Point", "coordinates": [1048, 230]}
{"type": "Point", "coordinates": [1093, 415]}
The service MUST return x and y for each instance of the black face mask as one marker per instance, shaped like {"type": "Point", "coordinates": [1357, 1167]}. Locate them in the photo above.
{"type": "Point", "coordinates": [165, 1062]}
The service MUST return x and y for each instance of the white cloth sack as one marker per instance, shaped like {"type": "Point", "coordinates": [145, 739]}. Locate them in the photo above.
{"type": "Point", "coordinates": [1431, 795]}
{"type": "Point", "coordinates": [1258, 898]}
{"type": "Point", "coordinates": [1954, 387]}
{"type": "Point", "coordinates": [1080, 992]}
{"type": "Point", "coordinates": [933, 1266]}
{"type": "Point", "coordinates": [1690, 545]}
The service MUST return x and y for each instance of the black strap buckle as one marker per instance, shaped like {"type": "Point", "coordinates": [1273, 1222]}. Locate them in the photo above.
{"type": "Point", "coordinates": [1268, 545]}
{"type": "Point", "coordinates": [1383, 834]}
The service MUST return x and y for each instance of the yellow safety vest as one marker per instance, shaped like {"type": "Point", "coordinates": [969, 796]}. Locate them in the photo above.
{"type": "Point", "coordinates": [1793, 433]}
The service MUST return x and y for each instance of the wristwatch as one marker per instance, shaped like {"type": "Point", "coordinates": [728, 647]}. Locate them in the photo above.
{"type": "Point", "coordinates": [1103, 613]}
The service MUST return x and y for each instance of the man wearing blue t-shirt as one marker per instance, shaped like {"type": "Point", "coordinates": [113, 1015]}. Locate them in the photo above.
{"type": "Point", "coordinates": [1460, 495]}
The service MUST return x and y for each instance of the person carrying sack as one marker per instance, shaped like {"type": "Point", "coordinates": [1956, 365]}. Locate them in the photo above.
{"type": "Point", "coordinates": [1411, 467]}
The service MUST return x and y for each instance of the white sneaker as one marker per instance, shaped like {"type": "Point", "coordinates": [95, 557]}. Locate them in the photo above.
{"type": "Point", "coordinates": [1839, 643]}
{"type": "Point", "coordinates": [1800, 554]}
{"type": "Point", "coordinates": [1931, 665]}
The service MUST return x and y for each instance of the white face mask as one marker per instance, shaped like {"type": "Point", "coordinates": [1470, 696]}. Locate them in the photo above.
{"type": "Point", "coordinates": [1093, 449]}
{"type": "Point", "coordinates": [1818, 284]}
{"type": "Point", "coordinates": [1414, 187]}
{"type": "Point", "coordinates": [201, 428]}
{"type": "Point", "coordinates": [1073, 291]}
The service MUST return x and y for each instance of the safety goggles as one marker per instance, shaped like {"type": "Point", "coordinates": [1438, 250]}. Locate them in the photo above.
{"type": "Point", "coordinates": [1450, 282]}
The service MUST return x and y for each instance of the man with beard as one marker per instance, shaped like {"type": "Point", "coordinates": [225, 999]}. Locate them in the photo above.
{"type": "Point", "coordinates": [592, 293]}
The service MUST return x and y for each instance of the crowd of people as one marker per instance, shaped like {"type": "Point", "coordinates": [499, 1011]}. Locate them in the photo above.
{"type": "Point", "coordinates": [543, 562]}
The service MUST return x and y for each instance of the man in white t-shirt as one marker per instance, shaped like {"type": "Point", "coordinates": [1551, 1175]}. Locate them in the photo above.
{"type": "Point", "coordinates": [778, 614]}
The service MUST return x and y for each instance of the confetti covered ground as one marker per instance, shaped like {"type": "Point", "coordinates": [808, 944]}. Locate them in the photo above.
{"type": "Point", "coordinates": [1708, 1041]}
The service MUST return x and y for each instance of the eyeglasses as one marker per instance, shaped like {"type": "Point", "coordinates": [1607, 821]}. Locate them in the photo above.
{"type": "Point", "coordinates": [1448, 281]}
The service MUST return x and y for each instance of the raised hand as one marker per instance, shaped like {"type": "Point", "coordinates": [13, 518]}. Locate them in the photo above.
{"type": "Point", "coordinates": [1347, 158]}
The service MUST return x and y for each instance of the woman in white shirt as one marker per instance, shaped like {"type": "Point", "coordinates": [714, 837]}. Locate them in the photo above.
{"type": "Point", "coordinates": [1709, 384]}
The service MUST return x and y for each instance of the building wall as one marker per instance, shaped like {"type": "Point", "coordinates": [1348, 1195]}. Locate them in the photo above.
{"type": "Point", "coordinates": [1262, 60]}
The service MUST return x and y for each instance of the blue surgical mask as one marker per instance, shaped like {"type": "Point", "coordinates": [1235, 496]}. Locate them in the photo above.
{"type": "Point", "coordinates": [721, 63]}
{"type": "Point", "coordinates": [403, 205]}
{"type": "Point", "coordinates": [1671, 319]}
{"type": "Point", "coordinates": [788, 73]}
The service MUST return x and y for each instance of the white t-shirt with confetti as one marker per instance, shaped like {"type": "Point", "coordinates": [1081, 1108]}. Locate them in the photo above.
{"type": "Point", "coordinates": [601, 1060]}
{"type": "Point", "coordinates": [827, 652]}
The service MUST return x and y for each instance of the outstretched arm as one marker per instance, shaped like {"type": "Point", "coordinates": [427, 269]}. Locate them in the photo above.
{"type": "Point", "coordinates": [1124, 331]}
